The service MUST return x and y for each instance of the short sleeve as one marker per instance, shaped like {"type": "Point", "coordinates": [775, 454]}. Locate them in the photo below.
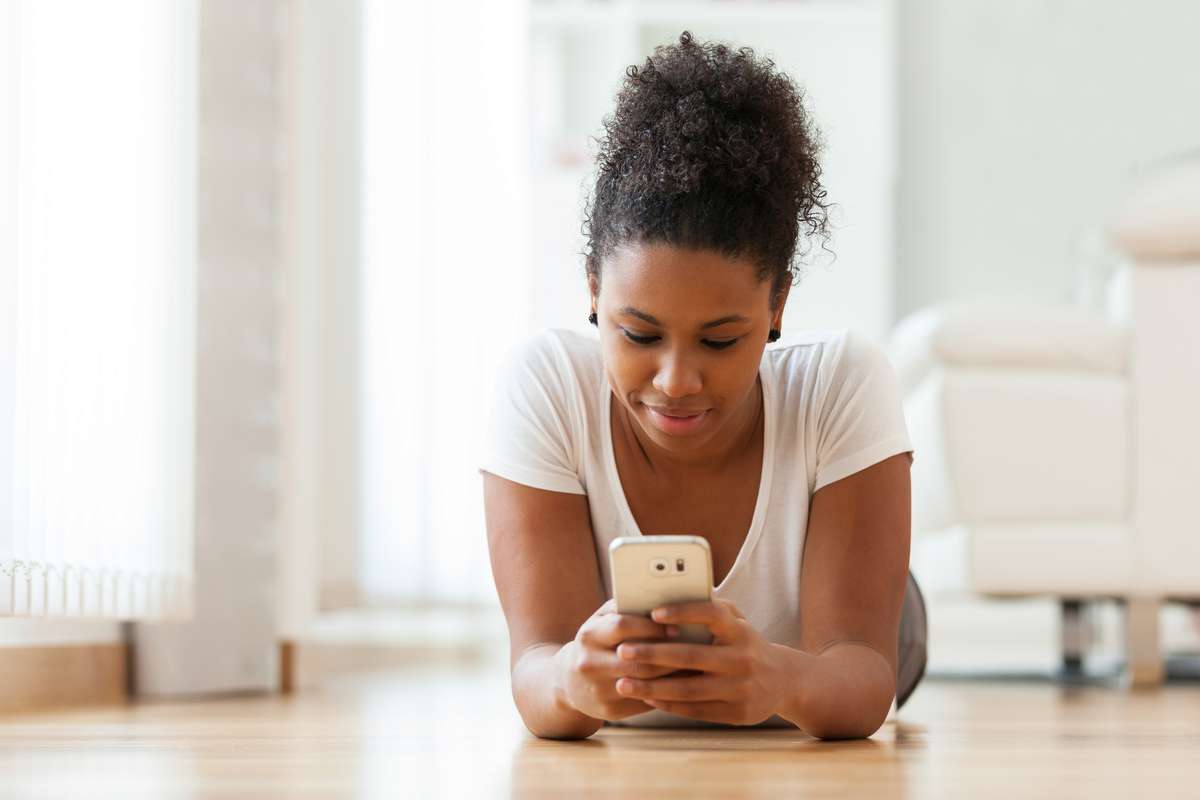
{"type": "Point", "coordinates": [861, 411]}
{"type": "Point", "coordinates": [528, 436]}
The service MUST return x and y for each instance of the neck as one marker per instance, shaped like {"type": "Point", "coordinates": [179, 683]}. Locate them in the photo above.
{"type": "Point", "coordinates": [740, 438]}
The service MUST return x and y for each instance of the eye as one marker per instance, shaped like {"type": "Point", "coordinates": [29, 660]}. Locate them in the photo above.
{"type": "Point", "coordinates": [712, 344]}
{"type": "Point", "coordinates": [639, 339]}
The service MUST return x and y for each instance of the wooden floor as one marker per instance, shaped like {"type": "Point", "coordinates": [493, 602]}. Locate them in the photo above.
{"type": "Point", "coordinates": [454, 733]}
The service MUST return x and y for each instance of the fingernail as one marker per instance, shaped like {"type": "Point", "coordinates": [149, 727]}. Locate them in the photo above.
{"type": "Point", "coordinates": [672, 631]}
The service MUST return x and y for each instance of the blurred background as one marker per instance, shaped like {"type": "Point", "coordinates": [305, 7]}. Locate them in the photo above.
{"type": "Point", "coordinates": [259, 257]}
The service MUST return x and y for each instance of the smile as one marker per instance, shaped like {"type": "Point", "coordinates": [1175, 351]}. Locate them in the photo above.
{"type": "Point", "coordinates": [676, 423]}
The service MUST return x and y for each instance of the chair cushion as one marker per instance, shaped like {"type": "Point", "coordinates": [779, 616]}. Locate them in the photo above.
{"type": "Point", "coordinates": [1007, 333]}
{"type": "Point", "coordinates": [1160, 219]}
{"type": "Point", "coordinates": [1009, 445]}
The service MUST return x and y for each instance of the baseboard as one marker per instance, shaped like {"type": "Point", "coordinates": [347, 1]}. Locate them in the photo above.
{"type": "Point", "coordinates": [315, 663]}
{"type": "Point", "coordinates": [357, 641]}
{"type": "Point", "coordinates": [63, 676]}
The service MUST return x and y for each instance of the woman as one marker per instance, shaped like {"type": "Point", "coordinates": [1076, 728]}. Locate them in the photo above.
{"type": "Point", "coordinates": [792, 461]}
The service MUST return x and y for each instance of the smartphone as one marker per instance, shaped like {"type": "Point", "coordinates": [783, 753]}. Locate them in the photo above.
{"type": "Point", "coordinates": [651, 571]}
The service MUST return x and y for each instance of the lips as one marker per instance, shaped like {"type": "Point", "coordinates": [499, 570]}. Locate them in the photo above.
{"type": "Point", "coordinates": [677, 412]}
{"type": "Point", "coordinates": [677, 421]}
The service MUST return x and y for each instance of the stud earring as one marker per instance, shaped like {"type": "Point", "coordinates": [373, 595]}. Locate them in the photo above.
{"type": "Point", "coordinates": [773, 336]}
{"type": "Point", "coordinates": [592, 319]}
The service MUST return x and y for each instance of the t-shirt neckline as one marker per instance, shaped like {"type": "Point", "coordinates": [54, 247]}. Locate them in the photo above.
{"type": "Point", "coordinates": [768, 464]}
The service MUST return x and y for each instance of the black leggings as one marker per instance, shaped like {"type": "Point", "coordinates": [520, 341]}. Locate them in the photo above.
{"type": "Point", "coordinates": [914, 627]}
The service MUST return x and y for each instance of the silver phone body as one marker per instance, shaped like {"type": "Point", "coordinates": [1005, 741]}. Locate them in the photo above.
{"type": "Point", "coordinates": [651, 571]}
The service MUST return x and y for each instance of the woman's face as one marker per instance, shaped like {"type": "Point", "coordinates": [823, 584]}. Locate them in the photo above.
{"type": "Point", "coordinates": [682, 333]}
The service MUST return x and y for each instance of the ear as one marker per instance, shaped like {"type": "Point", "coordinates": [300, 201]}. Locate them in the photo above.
{"type": "Point", "coordinates": [593, 290]}
{"type": "Point", "coordinates": [780, 303]}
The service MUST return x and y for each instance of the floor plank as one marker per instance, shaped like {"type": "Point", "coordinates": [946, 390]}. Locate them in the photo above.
{"type": "Point", "coordinates": [453, 732]}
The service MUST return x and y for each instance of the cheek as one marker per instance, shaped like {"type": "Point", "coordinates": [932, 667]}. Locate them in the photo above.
{"type": "Point", "coordinates": [628, 373]}
{"type": "Point", "coordinates": [727, 385]}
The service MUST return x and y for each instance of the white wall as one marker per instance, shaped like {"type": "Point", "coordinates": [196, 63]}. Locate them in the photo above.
{"type": "Point", "coordinates": [230, 643]}
{"type": "Point", "coordinates": [320, 348]}
{"type": "Point", "coordinates": [1020, 122]}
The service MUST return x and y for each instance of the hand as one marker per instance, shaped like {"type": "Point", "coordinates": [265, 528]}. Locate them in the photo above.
{"type": "Point", "coordinates": [589, 667]}
{"type": "Point", "coordinates": [741, 674]}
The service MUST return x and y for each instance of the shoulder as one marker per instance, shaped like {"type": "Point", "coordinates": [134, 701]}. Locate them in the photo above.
{"type": "Point", "coordinates": [826, 352]}
{"type": "Point", "coordinates": [550, 351]}
{"type": "Point", "coordinates": [560, 364]}
{"type": "Point", "coordinates": [852, 354]}
{"type": "Point", "coordinates": [823, 370]}
{"type": "Point", "coordinates": [536, 413]}
{"type": "Point", "coordinates": [820, 357]}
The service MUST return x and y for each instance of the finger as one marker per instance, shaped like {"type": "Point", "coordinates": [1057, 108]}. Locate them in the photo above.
{"type": "Point", "coordinates": [628, 706]}
{"type": "Point", "coordinates": [613, 629]}
{"type": "Point", "coordinates": [610, 629]}
{"type": "Point", "coordinates": [704, 688]}
{"type": "Point", "coordinates": [705, 657]}
{"type": "Point", "coordinates": [717, 617]}
{"type": "Point", "coordinates": [622, 708]}
{"type": "Point", "coordinates": [709, 711]}
{"type": "Point", "coordinates": [733, 609]}
{"type": "Point", "coordinates": [634, 669]}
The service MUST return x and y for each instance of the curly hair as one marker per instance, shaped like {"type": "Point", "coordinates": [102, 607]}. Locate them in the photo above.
{"type": "Point", "coordinates": [708, 148]}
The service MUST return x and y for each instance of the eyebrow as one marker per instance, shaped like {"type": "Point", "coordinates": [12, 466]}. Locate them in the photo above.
{"type": "Point", "coordinates": [630, 311]}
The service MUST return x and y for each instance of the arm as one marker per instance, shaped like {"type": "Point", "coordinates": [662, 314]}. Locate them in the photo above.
{"type": "Point", "coordinates": [843, 676]}
{"type": "Point", "coordinates": [540, 698]}
{"type": "Point", "coordinates": [544, 564]}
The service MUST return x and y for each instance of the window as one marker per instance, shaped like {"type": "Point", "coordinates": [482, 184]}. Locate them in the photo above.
{"type": "Point", "coordinates": [97, 244]}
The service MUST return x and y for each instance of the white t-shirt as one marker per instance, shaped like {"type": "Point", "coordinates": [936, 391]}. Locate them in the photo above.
{"type": "Point", "coordinates": [833, 407]}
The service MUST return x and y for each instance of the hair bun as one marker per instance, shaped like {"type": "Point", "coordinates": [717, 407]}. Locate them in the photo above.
{"type": "Point", "coordinates": [708, 146]}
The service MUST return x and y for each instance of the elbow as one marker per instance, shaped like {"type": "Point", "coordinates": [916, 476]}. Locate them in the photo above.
{"type": "Point", "coordinates": [564, 737]}
{"type": "Point", "coordinates": [838, 731]}
{"type": "Point", "coordinates": [836, 726]}
{"type": "Point", "coordinates": [563, 734]}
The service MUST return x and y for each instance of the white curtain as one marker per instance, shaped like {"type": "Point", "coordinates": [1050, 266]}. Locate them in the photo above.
{"type": "Point", "coordinates": [97, 244]}
{"type": "Point", "coordinates": [445, 283]}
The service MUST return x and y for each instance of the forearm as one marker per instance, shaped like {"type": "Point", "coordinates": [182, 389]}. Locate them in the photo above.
{"type": "Point", "coordinates": [843, 693]}
{"type": "Point", "coordinates": [538, 692]}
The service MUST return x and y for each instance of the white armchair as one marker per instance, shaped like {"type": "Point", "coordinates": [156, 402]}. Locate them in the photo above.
{"type": "Point", "coordinates": [1058, 452]}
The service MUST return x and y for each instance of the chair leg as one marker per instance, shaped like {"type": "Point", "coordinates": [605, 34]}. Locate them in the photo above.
{"type": "Point", "coordinates": [1143, 649]}
{"type": "Point", "coordinates": [1073, 636]}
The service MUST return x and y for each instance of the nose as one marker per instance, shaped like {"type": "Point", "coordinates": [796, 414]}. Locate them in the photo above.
{"type": "Point", "coordinates": [677, 376]}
